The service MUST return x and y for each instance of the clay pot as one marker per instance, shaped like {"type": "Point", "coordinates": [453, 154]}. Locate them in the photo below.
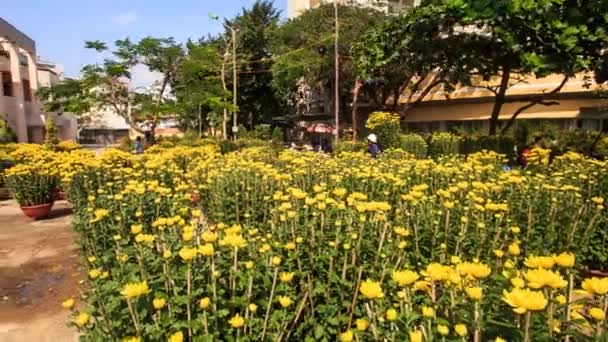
{"type": "Point", "coordinates": [195, 198]}
{"type": "Point", "coordinates": [37, 211]}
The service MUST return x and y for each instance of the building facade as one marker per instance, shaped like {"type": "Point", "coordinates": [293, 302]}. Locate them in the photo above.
{"type": "Point", "coordinates": [296, 7]}
{"type": "Point", "coordinates": [577, 105]}
{"type": "Point", "coordinates": [21, 75]}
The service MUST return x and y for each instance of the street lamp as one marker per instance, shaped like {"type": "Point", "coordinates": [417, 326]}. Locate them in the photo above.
{"type": "Point", "coordinates": [213, 16]}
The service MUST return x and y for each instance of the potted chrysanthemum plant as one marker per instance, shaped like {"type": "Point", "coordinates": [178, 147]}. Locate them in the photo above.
{"type": "Point", "coordinates": [33, 188]}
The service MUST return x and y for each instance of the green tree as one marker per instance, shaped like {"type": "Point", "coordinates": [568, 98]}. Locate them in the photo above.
{"type": "Point", "coordinates": [198, 88]}
{"type": "Point", "coordinates": [526, 38]}
{"type": "Point", "coordinates": [257, 99]}
{"type": "Point", "coordinates": [304, 49]}
{"type": "Point", "coordinates": [107, 85]}
{"type": "Point", "coordinates": [411, 54]}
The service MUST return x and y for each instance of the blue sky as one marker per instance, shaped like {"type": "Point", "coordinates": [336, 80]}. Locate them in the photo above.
{"type": "Point", "coordinates": [60, 27]}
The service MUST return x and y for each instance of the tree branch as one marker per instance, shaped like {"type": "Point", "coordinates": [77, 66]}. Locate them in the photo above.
{"type": "Point", "coordinates": [540, 99]}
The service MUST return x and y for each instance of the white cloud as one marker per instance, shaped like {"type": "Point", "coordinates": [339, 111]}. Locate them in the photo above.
{"type": "Point", "coordinates": [125, 19]}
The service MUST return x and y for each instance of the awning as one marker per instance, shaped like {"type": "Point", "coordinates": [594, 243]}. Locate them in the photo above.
{"type": "Point", "coordinates": [320, 128]}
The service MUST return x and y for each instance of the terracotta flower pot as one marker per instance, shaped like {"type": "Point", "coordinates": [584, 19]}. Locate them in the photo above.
{"type": "Point", "coordinates": [195, 198]}
{"type": "Point", "coordinates": [37, 211]}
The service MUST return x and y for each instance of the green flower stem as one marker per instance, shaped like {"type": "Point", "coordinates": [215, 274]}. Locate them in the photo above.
{"type": "Point", "coordinates": [569, 301]}
{"type": "Point", "coordinates": [298, 313]}
{"type": "Point", "coordinates": [550, 312]}
{"type": "Point", "coordinates": [527, 327]}
{"type": "Point", "coordinates": [249, 289]}
{"type": "Point", "coordinates": [355, 296]}
{"type": "Point", "coordinates": [381, 242]}
{"type": "Point", "coordinates": [213, 285]}
{"type": "Point", "coordinates": [134, 317]}
{"type": "Point", "coordinates": [189, 303]}
{"type": "Point", "coordinates": [477, 316]}
{"type": "Point", "coordinates": [274, 283]}
{"type": "Point", "coordinates": [234, 270]}
{"type": "Point", "coordinates": [372, 323]}
{"type": "Point", "coordinates": [205, 323]}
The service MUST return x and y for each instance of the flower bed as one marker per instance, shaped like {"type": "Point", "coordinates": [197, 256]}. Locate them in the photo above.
{"type": "Point", "coordinates": [302, 247]}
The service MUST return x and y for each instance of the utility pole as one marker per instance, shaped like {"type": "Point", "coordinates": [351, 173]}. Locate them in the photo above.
{"type": "Point", "coordinates": [234, 81]}
{"type": "Point", "coordinates": [337, 71]}
{"type": "Point", "coordinates": [234, 78]}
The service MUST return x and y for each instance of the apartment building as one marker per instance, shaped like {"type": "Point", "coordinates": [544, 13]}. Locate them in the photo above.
{"type": "Point", "coordinates": [296, 7]}
{"type": "Point", "coordinates": [21, 74]}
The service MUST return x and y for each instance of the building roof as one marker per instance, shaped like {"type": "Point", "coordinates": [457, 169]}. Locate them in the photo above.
{"type": "Point", "coordinates": [10, 32]}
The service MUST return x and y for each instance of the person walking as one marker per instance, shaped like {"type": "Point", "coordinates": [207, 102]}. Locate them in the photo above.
{"type": "Point", "coordinates": [373, 148]}
{"type": "Point", "coordinates": [138, 146]}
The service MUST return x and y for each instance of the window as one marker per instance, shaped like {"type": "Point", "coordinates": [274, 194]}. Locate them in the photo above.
{"type": "Point", "coordinates": [27, 92]}
{"type": "Point", "coordinates": [7, 83]}
{"type": "Point", "coordinates": [590, 124]}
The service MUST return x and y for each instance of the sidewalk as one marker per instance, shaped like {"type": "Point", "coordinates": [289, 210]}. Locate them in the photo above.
{"type": "Point", "coordinates": [39, 268]}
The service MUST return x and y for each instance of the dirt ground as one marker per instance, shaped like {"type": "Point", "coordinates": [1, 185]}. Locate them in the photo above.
{"type": "Point", "coordinates": [39, 268]}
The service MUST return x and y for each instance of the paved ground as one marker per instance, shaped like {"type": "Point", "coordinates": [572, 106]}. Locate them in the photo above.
{"type": "Point", "coordinates": [39, 268]}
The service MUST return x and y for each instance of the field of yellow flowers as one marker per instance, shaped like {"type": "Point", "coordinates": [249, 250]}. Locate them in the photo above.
{"type": "Point", "coordinates": [261, 245]}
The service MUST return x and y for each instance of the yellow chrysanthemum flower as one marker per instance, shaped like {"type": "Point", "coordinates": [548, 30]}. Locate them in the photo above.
{"type": "Point", "coordinates": [405, 278]}
{"type": "Point", "coordinates": [68, 303]}
{"type": "Point", "coordinates": [565, 259]}
{"type": "Point", "coordinates": [596, 286]}
{"type": "Point", "coordinates": [286, 277]}
{"type": "Point", "coordinates": [362, 324]}
{"type": "Point", "coordinates": [285, 301]}
{"type": "Point", "coordinates": [204, 303]}
{"type": "Point", "coordinates": [82, 319]}
{"type": "Point", "coordinates": [371, 289]}
{"type": "Point", "coordinates": [475, 293]}
{"type": "Point", "coordinates": [236, 321]}
{"type": "Point", "coordinates": [159, 303]}
{"type": "Point", "coordinates": [523, 300]}
{"type": "Point", "coordinates": [597, 314]}
{"type": "Point", "coordinates": [415, 336]}
{"type": "Point", "coordinates": [134, 290]}
{"type": "Point", "coordinates": [391, 314]}
{"type": "Point", "coordinates": [187, 253]}
{"type": "Point", "coordinates": [177, 337]}
{"type": "Point", "coordinates": [461, 330]}
{"type": "Point", "coordinates": [346, 336]}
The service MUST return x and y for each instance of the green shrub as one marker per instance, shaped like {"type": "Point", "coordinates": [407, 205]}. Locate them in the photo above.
{"type": "Point", "coordinates": [277, 135]}
{"type": "Point", "coordinates": [250, 142]}
{"type": "Point", "coordinates": [386, 126]}
{"type": "Point", "coordinates": [413, 144]}
{"type": "Point", "coordinates": [443, 143]}
{"type": "Point", "coordinates": [6, 133]}
{"type": "Point", "coordinates": [602, 147]}
{"type": "Point", "coordinates": [125, 144]}
{"type": "Point", "coordinates": [50, 138]}
{"type": "Point", "coordinates": [262, 132]}
{"type": "Point", "coordinates": [579, 140]}
{"type": "Point", "coordinates": [349, 146]}
{"type": "Point", "coordinates": [497, 143]}
{"type": "Point", "coordinates": [227, 146]}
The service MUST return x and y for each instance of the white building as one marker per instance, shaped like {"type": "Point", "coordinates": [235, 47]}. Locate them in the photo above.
{"type": "Point", "coordinates": [21, 75]}
{"type": "Point", "coordinates": [296, 7]}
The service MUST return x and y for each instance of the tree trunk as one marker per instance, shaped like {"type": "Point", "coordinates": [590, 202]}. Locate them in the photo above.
{"type": "Point", "coordinates": [356, 90]}
{"type": "Point", "coordinates": [499, 100]}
